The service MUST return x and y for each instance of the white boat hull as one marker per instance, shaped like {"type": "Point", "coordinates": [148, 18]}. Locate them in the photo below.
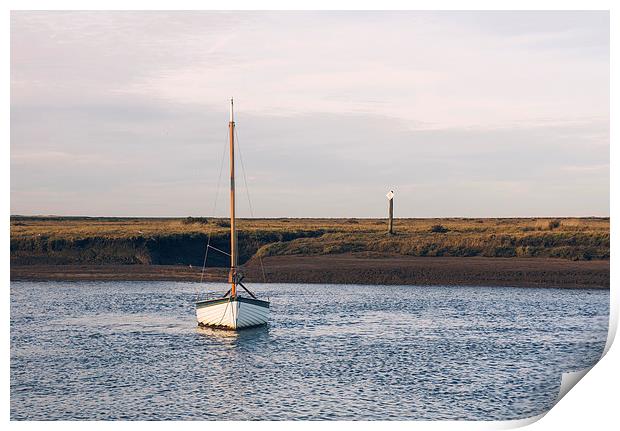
{"type": "Point", "coordinates": [232, 313]}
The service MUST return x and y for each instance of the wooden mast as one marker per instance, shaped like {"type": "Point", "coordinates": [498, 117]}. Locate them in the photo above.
{"type": "Point", "coordinates": [232, 276]}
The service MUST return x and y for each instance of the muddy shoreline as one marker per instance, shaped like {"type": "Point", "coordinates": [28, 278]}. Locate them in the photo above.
{"type": "Point", "coordinates": [353, 269]}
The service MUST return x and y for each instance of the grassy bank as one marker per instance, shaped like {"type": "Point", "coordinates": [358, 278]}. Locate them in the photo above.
{"type": "Point", "coordinates": [181, 241]}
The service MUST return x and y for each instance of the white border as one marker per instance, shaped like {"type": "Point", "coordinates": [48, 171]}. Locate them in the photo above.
{"type": "Point", "coordinates": [588, 405]}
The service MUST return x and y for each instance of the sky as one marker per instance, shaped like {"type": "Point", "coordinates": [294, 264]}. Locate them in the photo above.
{"type": "Point", "coordinates": [462, 114]}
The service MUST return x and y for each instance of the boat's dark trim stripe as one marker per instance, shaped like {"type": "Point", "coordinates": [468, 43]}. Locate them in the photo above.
{"type": "Point", "coordinates": [253, 301]}
{"type": "Point", "coordinates": [209, 302]}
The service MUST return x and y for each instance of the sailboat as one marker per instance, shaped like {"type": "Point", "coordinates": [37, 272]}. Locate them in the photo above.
{"type": "Point", "coordinates": [233, 311]}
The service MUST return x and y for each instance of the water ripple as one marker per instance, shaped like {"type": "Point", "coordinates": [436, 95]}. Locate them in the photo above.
{"type": "Point", "coordinates": [132, 350]}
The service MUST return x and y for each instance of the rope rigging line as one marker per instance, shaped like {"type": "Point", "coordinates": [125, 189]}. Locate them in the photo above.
{"type": "Point", "coordinates": [247, 191]}
{"type": "Point", "coordinates": [217, 193]}
{"type": "Point", "coordinates": [217, 249]}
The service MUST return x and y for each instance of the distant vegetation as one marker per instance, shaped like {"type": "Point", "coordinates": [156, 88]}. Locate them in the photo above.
{"type": "Point", "coordinates": [437, 228]}
{"type": "Point", "coordinates": [65, 240]}
{"type": "Point", "coordinates": [195, 220]}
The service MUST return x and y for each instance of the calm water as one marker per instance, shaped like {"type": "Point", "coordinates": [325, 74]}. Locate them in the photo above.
{"type": "Point", "coordinates": [131, 350]}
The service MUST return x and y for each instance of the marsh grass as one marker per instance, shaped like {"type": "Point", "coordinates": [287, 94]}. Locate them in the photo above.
{"type": "Point", "coordinates": [144, 240]}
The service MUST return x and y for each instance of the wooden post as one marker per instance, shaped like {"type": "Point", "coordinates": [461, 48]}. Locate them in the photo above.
{"type": "Point", "coordinates": [390, 197]}
{"type": "Point", "coordinates": [232, 275]}
{"type": "Point", "coordinates": [391, 221]}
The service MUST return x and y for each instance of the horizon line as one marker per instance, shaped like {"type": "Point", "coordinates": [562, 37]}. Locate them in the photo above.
{"type": "Point", "coordinates": [310, 217]}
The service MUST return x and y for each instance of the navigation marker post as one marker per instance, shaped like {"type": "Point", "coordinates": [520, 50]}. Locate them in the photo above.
{"type": "Point", "coordinates": [390, 197]}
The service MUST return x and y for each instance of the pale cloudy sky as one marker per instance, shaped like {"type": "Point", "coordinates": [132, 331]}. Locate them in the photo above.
{"type": "Point", "coordinates": [485, 114]}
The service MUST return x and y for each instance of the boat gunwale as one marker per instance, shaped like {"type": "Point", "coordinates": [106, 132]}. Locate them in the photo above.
{"type": "Point", "coordinates": [215, 301]}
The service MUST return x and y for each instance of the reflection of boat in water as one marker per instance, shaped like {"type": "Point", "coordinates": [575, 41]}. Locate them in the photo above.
{"type": "Point", "coordinates": [233, 311]}
{"type": "Point", "coordinates": [248, 335]}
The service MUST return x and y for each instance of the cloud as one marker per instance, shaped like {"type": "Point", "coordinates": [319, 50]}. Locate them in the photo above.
{"type": "Point", "coordinates": [473, 113]}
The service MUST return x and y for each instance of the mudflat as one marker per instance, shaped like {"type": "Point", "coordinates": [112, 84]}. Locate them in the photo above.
{"type": "Point", "coordinates": [350, 268]}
